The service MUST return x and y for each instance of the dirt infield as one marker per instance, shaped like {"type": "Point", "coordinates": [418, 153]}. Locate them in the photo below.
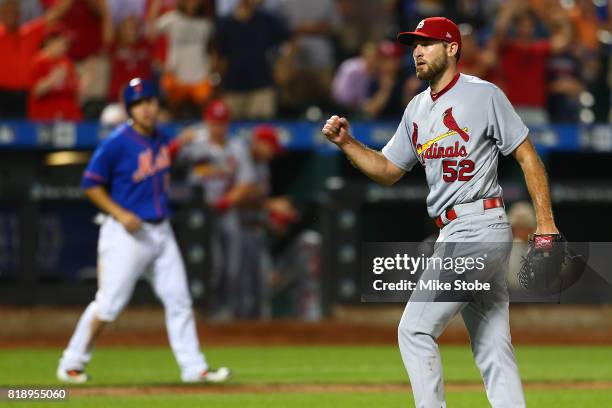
{"type": "Point", "coordinates": [45, 327]}
{"type": "Point", "coordinates": [299, 333]}
{"type": "Point", "coordinates": [312, 388]}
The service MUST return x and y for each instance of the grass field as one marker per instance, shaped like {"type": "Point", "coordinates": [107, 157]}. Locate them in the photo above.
{"type": "Point", "coordinates": [569, 370]}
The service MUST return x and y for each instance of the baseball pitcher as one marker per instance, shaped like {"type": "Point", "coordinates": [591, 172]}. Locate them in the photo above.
{"type": "Point", "coordinates": [456, 130]}
{"type": "Point", "coordinates": [127, 178]}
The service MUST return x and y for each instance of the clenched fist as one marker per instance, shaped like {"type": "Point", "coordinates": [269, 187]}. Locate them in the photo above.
{"type": "Point", "coordinates": [336, 130]}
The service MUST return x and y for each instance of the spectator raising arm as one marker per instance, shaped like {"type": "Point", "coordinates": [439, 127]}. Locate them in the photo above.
{"type": "Point", "coordinates": [55, 13]}
{"type": "Point", "coordinates": [151, 27]}
{"type": "Point", "coordinates": [555, 20]}
{"type": "Point", "coordinates": [53, 80]}
{"type": "Point", "coordinates": [107, 22]}
{"type": "Point", "coordinates": [559, 27]}
{"type": "Point", "coordinates": [507, 12]}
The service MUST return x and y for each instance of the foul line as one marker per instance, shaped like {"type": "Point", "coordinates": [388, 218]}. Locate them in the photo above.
{"type": "Point", "coordinates": [83, 391]}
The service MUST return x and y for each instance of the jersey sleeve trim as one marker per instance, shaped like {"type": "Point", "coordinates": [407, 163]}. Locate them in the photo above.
{"type": "Point", "coordinates": [94, 176]}
{"type": "Point", "coordinates": [392, 159]}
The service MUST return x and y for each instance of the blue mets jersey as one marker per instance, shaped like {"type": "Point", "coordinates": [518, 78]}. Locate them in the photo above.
{"type": "Point", "coordinates": [135, 170]}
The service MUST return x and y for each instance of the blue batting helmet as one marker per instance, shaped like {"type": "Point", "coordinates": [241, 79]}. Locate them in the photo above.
{"type": "Point", "coordinates": [136, 90]}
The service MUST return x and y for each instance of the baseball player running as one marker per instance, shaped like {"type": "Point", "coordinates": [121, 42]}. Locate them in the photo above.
{"type": "Point", "coordinates": [128, 178]}
{"type": "Point", "coordinates": [455, 129]}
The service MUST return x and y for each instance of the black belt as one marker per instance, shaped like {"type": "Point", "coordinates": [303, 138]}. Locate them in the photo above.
{"type": "Point", "coordinates": [156, 221]}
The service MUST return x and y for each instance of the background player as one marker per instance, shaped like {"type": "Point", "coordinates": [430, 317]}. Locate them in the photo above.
{"type": "Point", "coordinates": [257, 213]}
{"type": "Point", "coordinates": [225, 169]}
{"type": "Point", "coordinates": [128, 178]}
{"type": "Point", "coordinates": [455, 129]}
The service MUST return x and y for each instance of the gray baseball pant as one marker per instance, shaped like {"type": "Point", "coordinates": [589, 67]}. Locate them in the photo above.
{"type": "Point", "coordinates": [485, 314]}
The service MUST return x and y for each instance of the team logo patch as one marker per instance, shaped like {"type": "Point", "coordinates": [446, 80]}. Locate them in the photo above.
{"type": "Point", "coordinates": [415, 133]}
{"type": "Point", "coordinates": [420, 25]}
{"type": "Point", "coordinates": [421, 148]}
{"type": "Point", "coordinates": [451, 123]}
{"type": "Point", "coordinates": [430, 148]}
{"type": "Point", "coordinates": [136, 83]}
{"type": "Point", "coordinates": [448, 35]}
{"type": "Point", "coordinates": [148, 164]}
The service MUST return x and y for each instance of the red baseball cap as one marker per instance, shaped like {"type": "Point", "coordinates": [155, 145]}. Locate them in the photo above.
{"type": "Point", "coordinates": [268, 134]}
{"type": "Point", "coordinates": [434, 28]}
{"type": "Point", "coordinates": [217, 111]}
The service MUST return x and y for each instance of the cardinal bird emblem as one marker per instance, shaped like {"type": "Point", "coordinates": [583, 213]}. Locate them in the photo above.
{"type": "Point", "coordinates": [451, 124]}
{"type": "Point", "coordinates": [453, 129]}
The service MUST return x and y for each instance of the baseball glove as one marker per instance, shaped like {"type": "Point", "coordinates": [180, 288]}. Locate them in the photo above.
{"type": "Point", "coordinates": [542, 267]}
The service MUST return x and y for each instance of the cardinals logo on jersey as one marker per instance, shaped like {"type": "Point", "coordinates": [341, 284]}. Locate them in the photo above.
{"type": "Point", "coordinates": [431, 150]}
{"type": "Point", "coordinates": [451, 123]}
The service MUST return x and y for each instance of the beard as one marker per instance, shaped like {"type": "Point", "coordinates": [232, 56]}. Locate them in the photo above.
{"type": "Point", "coordinates": [435, 69]}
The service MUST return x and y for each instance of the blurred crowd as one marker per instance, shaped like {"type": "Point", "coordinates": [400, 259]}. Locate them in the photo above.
{"type": "Point", "coordinates": [69, 59]}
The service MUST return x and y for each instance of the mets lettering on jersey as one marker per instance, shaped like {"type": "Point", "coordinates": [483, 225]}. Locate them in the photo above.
{"type": "Point", "coordinates": [135, 171]}
{"type": "Point", "coordinates": [456, 135]}
{"type": "Point", "coordinates": [148, 166]}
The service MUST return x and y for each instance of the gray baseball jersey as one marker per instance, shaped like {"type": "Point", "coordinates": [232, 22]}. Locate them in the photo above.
{"type": "Point", "coordinates": [261, 170]}
{"type": "Point", "coordinates": [261, 178]}
{"type": "Point", "coordinates": [456, 135]}
{"type": "Point", "coordinates": [217, 168]}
